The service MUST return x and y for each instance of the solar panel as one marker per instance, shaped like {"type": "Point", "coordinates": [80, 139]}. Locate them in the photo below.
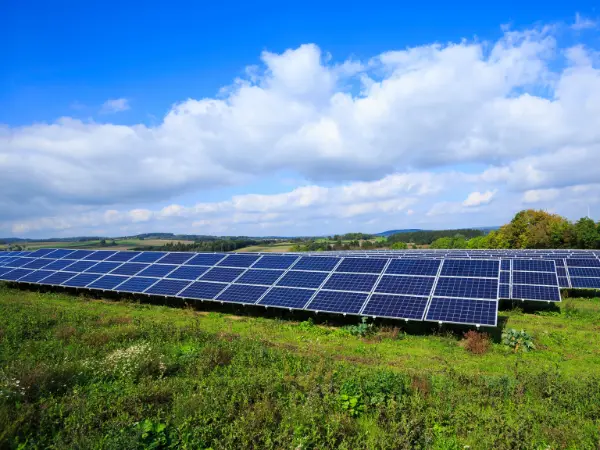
{"type": "Point", "coordinates": [505, 277]}
{"type": "Point", "coordinates": [222, 274]}
{"type": "Point", "coordinates": [563, 282]}
{"type": "Point", "coordinates": [321, 263]}
{"type": "Point", "coordinates": [541, 293]}
{"type": "Point", "coordinates": [168, 287]}
{"type": "Point", "coordinates": [36, 276]}
{"type": "Point", "coordinates": [187, 272]}
{"type": "Point", "coordinates": [157, 270]}
{"type": "Point", "coordinates": [4, 270]}
{"type": "Point", "coordinates": [39, 253]}
{"type": "Point", "coordinates": [81, 280]}
{"type": "Point", "coordinates": [78, 254]}
{"type": "Point", "coordinates": [396, 306]}
{"type": "Point", "coordinates": [15, 274]}
{"type": "Point", "coordinates": [148, 257]}
{"type": "Point", "coordinates": [462, 311]}
{"type": "Point", "coordinates": [108, 282]}
{"type": "Point", "coordinates": [470, 268]}
{"type": "Point", "coordinates": [340, 302]}
{"type": "Point", "coordinates": [505, 264]}
{"type": "Point", "coordinates": [242, 293]}
{"type": "Point", "coordinates": [129, 269]}
{"type": "Point", "coordinates": [202, 290]}
{"type": "Point", "coordinates": [476, 288]}
{"type": "Point", "coordinates": [175, 258]}
{"type": "Point", "coordinates": [260, 276]}
{"type": "Point", "coordinates": [79, 266]}
{"type": "Point", "coordinates": [533, 265]}
{"type": "Point", "coordinates": [561, 271]}
{"type": "Point", "coordinates": [287, 297]}
{"type": "Point", "coordinates": [414, 267]}
{"type": "Point", "coordinates": [136, 284]}
{"type": "Point", "coordinates": [573, 262]}
{"type": "Point", "coordinates": [37, 263]}
{"type": "Point", "coordinates": [57, 278]}
{"type": "Point", "coordinates": [275, 262]}
{"type": "Point", "coordinates": [408, 285]}
{"type": "Point", "coordinates": [592, 272]}
{"type": "Point", "coordinates": [238, 260]}
{"type": "Point", "coordinates": [103, 267]}
{"type": "Point", "coordinates": [206, 259]}
{"type": "Point", "coordinates": [60, 253]}
{"type": "Point", "coordinates": [99, 255]}
{"type": "Point", "coordinates": [504, 291]}
{"type": "Point", "coordinates": [351, 282]}
{"type": "Point", "coordinates": [542, 278]}
{"type": "Point", "coordinates": [122, 256]}
{"type": "Point", "coordinates": [362, 265]}
{"type": "Point", "coordinates": [302, 279]}
{"type": "Point", "coordinates": [585, 283]}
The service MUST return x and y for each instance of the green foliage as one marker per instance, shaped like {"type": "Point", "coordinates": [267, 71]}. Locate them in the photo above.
{"type": "Point", "coordinates": [427, 237]}
{"type": "Point", "coordinates": [587, 233]}
{"type": "Point", "coordinates": [399, 246]}
{"type": "Point", "coordinates": [352, 404]}
{"type": "Point", "coordinates": [363, 329]}
{"type": "Point", "coordinates": [519, 341]}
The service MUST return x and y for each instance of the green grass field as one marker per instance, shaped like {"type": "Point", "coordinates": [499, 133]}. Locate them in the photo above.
{"type": "Point", "coordinates": [81, 373]}
{"type": "Point", "coordinates": [122, 244]}
{"type": "Point", "coordinates": [268, 248]}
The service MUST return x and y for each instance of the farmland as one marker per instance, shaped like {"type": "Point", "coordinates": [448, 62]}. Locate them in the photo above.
{"type": "Point", "coordinates": [81, 373]}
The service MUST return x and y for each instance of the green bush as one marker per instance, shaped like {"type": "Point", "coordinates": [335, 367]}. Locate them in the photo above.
{"type": "Point", "coordinates": [519, 341]}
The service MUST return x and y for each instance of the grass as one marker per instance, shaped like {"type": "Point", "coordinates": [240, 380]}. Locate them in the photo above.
{"type": "Point", "coordinates": [273, 248]}
{"type": "Point", "coordinates": [81, 373]}
{"type": "Point", "coordinates": [122, 244]}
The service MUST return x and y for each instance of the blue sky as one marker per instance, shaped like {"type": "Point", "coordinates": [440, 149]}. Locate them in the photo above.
{"type": "Point", "coordinates": [324, 117]}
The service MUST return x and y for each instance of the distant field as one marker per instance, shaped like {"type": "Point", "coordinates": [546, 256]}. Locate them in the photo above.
{"type": "Point", "coordinates": [272, 248]}
{"type": "Point", "coordinates": [76, 373]}
{"type": "Point", "coordinates": [122, 244]}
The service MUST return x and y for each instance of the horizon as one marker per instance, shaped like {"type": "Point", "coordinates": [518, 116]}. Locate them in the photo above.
{"type": "Point", "coordinates": [275, 121]}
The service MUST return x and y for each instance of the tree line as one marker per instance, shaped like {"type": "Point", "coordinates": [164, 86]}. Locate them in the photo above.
{"type": "Point", "coordinates": [426, 237]}
{"type": "Point", "coordinates": [219, 245]}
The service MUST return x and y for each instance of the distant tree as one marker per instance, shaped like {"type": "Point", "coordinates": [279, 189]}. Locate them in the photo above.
{"type": "Point", "coordinates": [443, 242]}
{"type": "Point", "coordinates": [587, 234]}
{"type": "Point", "coordinates": [399, 246]}
{"type": "Point", "coordinates": [535, 229]}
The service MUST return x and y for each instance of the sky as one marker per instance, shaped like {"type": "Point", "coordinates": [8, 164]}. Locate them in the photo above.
{"type": "Point", "coordinates": [312, 118]}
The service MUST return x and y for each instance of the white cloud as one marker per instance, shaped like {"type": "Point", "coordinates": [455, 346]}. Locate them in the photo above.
{"type": "Point", "coordinates": [114, 106]}
{"type": "Point", "coordinates": [393, 128]}
{"type": "Point", "coordinates": [479, 198]}
{"type": "Point", "coordinates": [583, 23]}
{"type": "Point", "coordinates": [540, 195]}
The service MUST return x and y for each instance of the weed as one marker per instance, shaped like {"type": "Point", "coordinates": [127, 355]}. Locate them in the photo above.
{"type": "Point", "coordinates": [363, 329]}
{"type": "Point", "coordinates": [476, 343]}
{"type": "Point", "coordinates": [519, 341]}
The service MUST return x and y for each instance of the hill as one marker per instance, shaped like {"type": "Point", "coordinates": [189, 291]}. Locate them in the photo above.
{"type": "Point", "coordinates": [390, 232]}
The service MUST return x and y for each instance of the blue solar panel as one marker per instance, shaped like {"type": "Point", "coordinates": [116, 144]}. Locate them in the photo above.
{"type": "Point", "coordinates": [561, 272]}
{"type": "Point", "coordinates": [287, 297]}
{"type": "Point", "coordinates": [37, 263]}
{"type": "Point", "coordinates": [505, 264]}
{"type": "Point", "coordinates": [4, 270]}
{"type": "Point", "coordinates": [205, 259]}
{"type": "Point", "coordinates": [99, 255]}
{"type": "Point", "coordinates": [504, 277]}
{"type": "Point", "coordinates": [136, 284]}
{"type": "Point", "coordinates": [148, 257]}
{"type": "Point", "coordinates": [463, 311]}
{"type": "Point", "coordinates": [79, 266]}
{"type": "Point", "coordinates": [414, 267]}
{"type": "Point", "coordinates": [573, 262]}
{"type": "Point", "coordinates": [396, 306]}
{"type": "Point", "coordinates": [223, 274]}
{"type": "Point", "coordinates": [241, 293]}
{"type": "Point", "coordinates": [504, 291]}
{"type": "Point", "coordinates": [483, 288]}
{"type": "Point", "coordinates": [362, 265]}
{"type": "Point", "coordinates": [60, 253]}
{"type": "Point", "coordinates": [129, 269]}
{"type": "Point", "coordinates": [585, 283]}
{"type": "Point", "coordinates": [533, 265]}
{"type": "Point", "coordinates": [58, 278]}
{"type": "Point", "coordinates": [41, 252]}
{"type": "Point", "coordinates": [340, 302]}
{"type": "Point", "coordinates": [122, 256]}
{"type": "Point", "coordinates": [351, 282]}
{"type": "Point", "coordinates": [275, 262]}
{"type": "Point", "coordinates": [18, 262]}
{"type": "Point", "coordinates": [168, 287]}
{"type": "Point", "coordinates": [592, 272]}
{"type": "Point", "coordinates": [202, 290]}
{"type": "Point", "coordinates": [262, 276]}
{"type": "Point", "coordinates": [59, 264]}
{"type": "Point", "coordinates": [470, 268]}
{"type": "Point", "coordinates": [238, 260]}
{"type": "Point", "coordinates": [176, 258]}
{"type": "Point", "coordinates": [108, 282]}
{"type": "Point", "coordinates": [103, 267]}
{"type": "Point", "coordinates": [302, 279]}
{"type": "Point", "coordinates": [563, 282]}
{"type": "Point", "coordinates": [187, 272]}
{"type": "Point", "coordinates": [407, 285]}
{"type": "Point", "coordinates": [79, 254]}
{"type": "Point", "coordinates": [81, 280]}
{"type": "Point", "coordinates": [157, 270]}
{"type": "Point", "coordinates": [543, 278]}
{"type": "Point", "coordinates": [36, 276]}
{"type": "Point", "coordinates": [530, 292]}
{"type": "Point", "coordinates": [321, 263]}
{"type": "Point", "coordinates": [14, 275]}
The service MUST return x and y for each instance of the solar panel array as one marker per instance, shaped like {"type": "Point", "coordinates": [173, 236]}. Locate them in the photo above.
{"type": "Point", "coordinates": [441, 286]}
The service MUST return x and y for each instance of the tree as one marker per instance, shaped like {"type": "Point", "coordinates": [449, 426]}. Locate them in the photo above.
{"type": "Point", "coordinates": [535, 229]}
{"type": "Point", "coordinates": [399, 246]}
{"type": "Point", "coordinates": [586, 233]}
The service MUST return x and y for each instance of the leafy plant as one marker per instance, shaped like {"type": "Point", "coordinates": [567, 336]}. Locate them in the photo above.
{"type": "Point", "coordinates": [518, 340]}
{"type": "Point", "coordinates": [353, 404]}
{"type": "Point", "coordinates": [363, 329]}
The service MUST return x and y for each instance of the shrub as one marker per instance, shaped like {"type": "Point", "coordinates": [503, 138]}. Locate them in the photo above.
{"type": "Point", "coordinates": [518, 340]}
{"type": "Point", "coordinates": [363, 329]}
{"type": "Point", "coordinates": [477, 343]}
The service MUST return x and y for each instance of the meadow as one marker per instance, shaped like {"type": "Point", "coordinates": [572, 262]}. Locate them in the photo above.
{"type": "Point", "coordinates": [77, 372]}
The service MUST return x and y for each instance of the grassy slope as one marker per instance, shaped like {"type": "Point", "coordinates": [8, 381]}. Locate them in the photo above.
{"type": "Point", "coordinates": [275, 248]}
{"type": "Point", "coordinates": [213, 379]}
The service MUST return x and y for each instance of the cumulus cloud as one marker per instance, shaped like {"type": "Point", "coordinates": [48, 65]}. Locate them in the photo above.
{"type": "Point", "coordinates": [479, 198]}
{"type": "Point", "coordinates": [114, 106]}
{"type": "Point", "coordinates": [523, 110]}
{"type": "Point", "coordinates": [583, 23]}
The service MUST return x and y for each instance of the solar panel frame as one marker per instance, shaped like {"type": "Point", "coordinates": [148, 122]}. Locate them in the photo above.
{"type": "Point", "coordinates": [324, 301]}
{"type": "Point", "coordinates": [535, 292]}
{"type": "Point", "coordinates": [395, 306]}
{"type": "Point", "coordinates": [168, 287]}
{"type": "Point", "coordinates": [298, 297]}
{"type": "Point", "coordinates": [460, 306]}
